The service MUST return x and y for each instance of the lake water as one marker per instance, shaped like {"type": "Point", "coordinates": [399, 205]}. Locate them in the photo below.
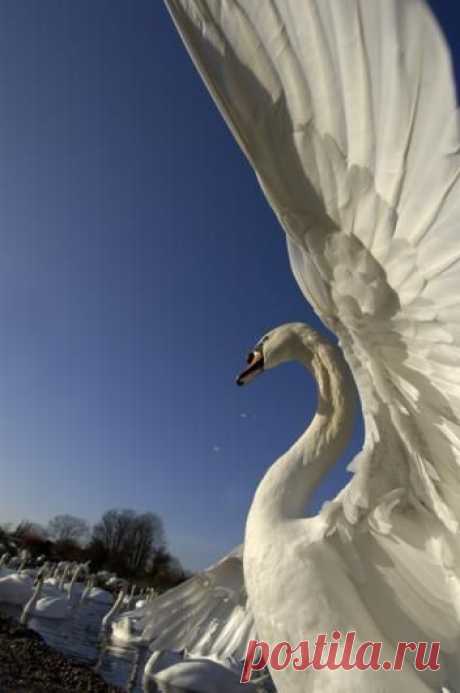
{"type": "Point", "coordinates": [79, 637]}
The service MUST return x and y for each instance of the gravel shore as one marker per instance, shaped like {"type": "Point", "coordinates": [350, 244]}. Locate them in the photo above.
{"type": "Point", "coordinates": [28, 665]}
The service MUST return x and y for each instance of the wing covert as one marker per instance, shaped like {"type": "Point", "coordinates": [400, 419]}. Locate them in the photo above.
{"type": "Point", "coordinates": [347, 113]}
{"type": "Point", "coordinates": [208, 614]}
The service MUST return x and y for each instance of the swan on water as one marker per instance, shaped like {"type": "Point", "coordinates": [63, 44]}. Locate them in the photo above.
{"type": "Point", "coordinates": [201, 675]}
{"type": "Point", "coordinates": [28, 608]}
{"type": "Point", "coordinates": [100, 596]}
{"type": "Point", "coordinates": [116, 608]}
{"type": "Point", "coordinates": [4, 567]}
{"type": "Point", "coordinates": [347, 112]}
{"type": "Point", "coordinates": [87, 588]}
{"type": "Point", "coordinates": [73, 587]}
{"type": "Point", "coordinates": [55, 608]}
{"type": "Point", "coordinates": [57, 603]}
{"type": "Point", "coordinates": [50, 607]}
{"type": "Point", "coordinates": [162, 659]}
{"type": "Point", "coordinates": [125, 629]}
{"type": "Point", "coordinates": [16, 588]}
{"type": "Point", "coordinates": [178, 668]}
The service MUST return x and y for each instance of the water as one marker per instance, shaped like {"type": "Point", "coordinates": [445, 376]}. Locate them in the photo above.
{"type": "Point", "coordinates": [79, 637]}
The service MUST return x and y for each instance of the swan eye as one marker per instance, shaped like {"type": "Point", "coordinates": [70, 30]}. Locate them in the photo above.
{"type": "Point", "coordinates": [250, 358]}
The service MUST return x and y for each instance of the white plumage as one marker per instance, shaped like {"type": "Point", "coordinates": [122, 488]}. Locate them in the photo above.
{"type": "Point", "coordinates": [207, 614]}
{"type": "Point", "coordinates": [347, 112]}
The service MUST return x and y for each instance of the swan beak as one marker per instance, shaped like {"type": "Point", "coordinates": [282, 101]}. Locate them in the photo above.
{"type": "Point", "coordinates": [256, 365]}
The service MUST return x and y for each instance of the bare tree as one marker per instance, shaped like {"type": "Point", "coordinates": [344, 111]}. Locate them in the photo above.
{"type": "Point", "coordinates": [65, 528]}
{"type": "Point", "coordinates": [6, 539]}
{"type": "Point", "coordinates": [32, 537]}
{"type": "Point", "coordinates": [28, 528]}
{"type": "Point", "coordinates": [127, 540]}
{"type": "Point", "coordinates": [146, 537]}
{"type": "Point", "coordinates": [165, 570]}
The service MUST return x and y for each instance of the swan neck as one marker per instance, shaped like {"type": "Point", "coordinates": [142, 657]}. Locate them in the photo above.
{"type": "Point", "coordinates": [289, 483]}
{"type": "Point", "coordinates": [31, 603]}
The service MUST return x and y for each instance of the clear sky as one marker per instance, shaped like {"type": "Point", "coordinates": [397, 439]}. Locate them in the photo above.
{"type": "Point", "coordinates": [138, 264]}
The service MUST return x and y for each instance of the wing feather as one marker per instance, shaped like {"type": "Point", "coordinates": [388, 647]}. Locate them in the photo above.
{"type": "Point", "coordinates": [342, 110]}
{"type": "Point", "coordinates": [347, 112]}
{"type": "Point", "coordinates": [208, 614]}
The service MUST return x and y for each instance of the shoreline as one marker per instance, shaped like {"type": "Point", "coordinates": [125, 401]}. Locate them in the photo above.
{"type": "Point", "coordinates": [29, 665]}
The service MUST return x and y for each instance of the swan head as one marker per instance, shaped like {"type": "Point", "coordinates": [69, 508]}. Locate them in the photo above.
{"type": "Point", "coordinates": [291, 342]}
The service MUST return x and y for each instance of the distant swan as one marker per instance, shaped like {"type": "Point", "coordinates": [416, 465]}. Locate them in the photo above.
{"type": "Point", "coordinates": [201, 675]}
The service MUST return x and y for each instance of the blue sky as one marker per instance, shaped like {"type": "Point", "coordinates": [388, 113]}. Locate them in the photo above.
{"type": "Point", "coordinates": [139, 262]}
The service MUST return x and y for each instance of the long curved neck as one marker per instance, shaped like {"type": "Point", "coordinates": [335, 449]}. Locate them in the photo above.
{"type": "Point", "coordinates": [287, 486]}
{"type": "Point", "coordinates": [31, 603]}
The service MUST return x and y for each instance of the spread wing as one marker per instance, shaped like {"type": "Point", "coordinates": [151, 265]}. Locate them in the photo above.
{"type": "Point", "coordinates": [346, 109]}
{"type": "Point", "coordinates": [347, 112]}
{"type": "Point", "coordinates": [207, 614]}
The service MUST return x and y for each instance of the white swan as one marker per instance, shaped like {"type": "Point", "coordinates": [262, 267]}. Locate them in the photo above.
{"type": "Point", "coordinates": [100, 596]}
{"type": "Point", "coordinates": [57, 603]}
{"type": "Point", "coordinates": [56, 608]}
{"type": "Point", "coordinates": [28, 608]}
{"type": "Point", "coordinates": [126, 630]}
{"type": "Point", "coordinates": [64, 576]}
{"type": "Point", "coordinates": [201, 675]}
{"type": "Point", "coordinates": [88, 587]}
{"type": "Point", "coordinates": [315, 575]}
{"type": "Point", "coordinates": [16, 588]}
{"type": "Point", "coordinates": [4, 570]}
{"type": "Point", "coordinates": [73, 587]}
{"type": "Point", "coordinates": [59, 600]}
{"type": "Point", "coordinates": [181, 670]}
{"type": "Point", "coordinates": [159, 660]}
{"type": "Point", "coordinates": [347, 111]}
{"type": "Point", "coordinates": [116, 608]}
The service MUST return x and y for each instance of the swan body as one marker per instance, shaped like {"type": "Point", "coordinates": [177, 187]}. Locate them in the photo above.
{"type": "Point", "coordinates": [55, 608]}
{"type": "Point", "coordinates": [125, 630]}
{"type": "Point", "coordinates": [75, 590]}
{"type": "Point", "coordinates": [52, 590]}
{"type": "Point", "coordinates": [16, 588]}
{"type": "Point", "coordinates": [113, 581]}
{"type": "Point", "coordinates": [100, 596]}
{"type": "Point", "coordinates": [58, 603]}
{"type": "Point", "coordinates": [52, 583]}
{"type": "Point", "coordinates": [4, 572]}
{"type": "Point", "coordinates": [161, 659]}
{"type": "Point", "coordinates": [203, 675]}
{"type": "Point", "coordinates": [59, 599]}
{"type": "Point", "coordinates": [348, 114]}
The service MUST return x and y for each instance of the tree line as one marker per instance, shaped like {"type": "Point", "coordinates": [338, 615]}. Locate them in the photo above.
{"type": "Point", "coordinates": [130, 544]}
